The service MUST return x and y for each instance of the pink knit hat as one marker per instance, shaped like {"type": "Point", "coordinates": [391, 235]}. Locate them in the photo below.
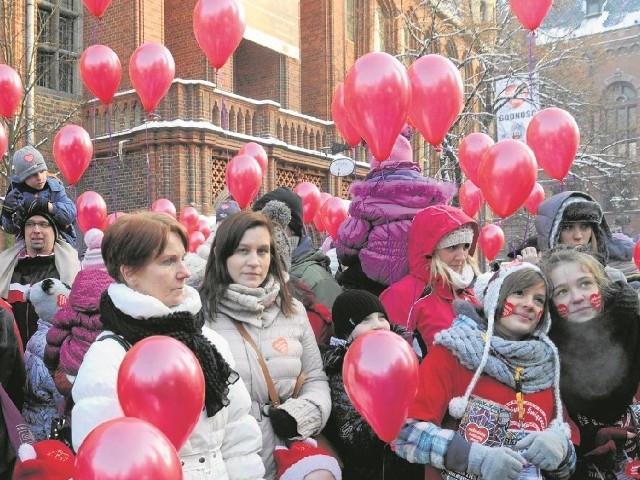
{"type": "Point", "coordinates": [93, 255]}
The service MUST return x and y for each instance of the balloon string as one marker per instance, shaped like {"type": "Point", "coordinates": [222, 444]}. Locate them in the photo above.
{"type": "Point", "coordinates": [94, 33]}
{"type": "Point", "coordinates": [94, 165]}
{"type": "Point", "coordinates": [224, 118]}
{"type": "Point", "coordinates": [532, 37]}
{"type": "Point", "coordinates": [146, 140]}
{"type": "Point", "coordinates": [526, 229]}
{"type": "Point", "coordinates": [114, 165]}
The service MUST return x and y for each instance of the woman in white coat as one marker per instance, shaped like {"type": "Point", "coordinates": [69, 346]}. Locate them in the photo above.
{"type": "Point", "coordinates": [145, 254]}
{"type": "Point", "coordinates": [245, 291]}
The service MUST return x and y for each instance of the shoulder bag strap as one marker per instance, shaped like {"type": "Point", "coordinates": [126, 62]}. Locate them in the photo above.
{"type": "Point", "coordinates": [299, 382]}
{"type": "Point", "coordinates": [273, 393]}
{"type": "Point", "coordinates": [17, 428]}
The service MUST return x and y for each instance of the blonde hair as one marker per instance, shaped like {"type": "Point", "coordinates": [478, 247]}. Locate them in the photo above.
{"type": "Point", "coordinates": [563, 254]}
{"type": "Point", "coordinates": [439, 268]}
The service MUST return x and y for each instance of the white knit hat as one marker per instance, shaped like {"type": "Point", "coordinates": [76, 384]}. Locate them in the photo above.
{"type": "Point", "coordinates": [93, 255]}
{"type": "Point", "coordinates": [487, 291]}
{"type": "Point", "coordinates": [462, 234]}
{"type": "Point", "coordinates": [302, 458]}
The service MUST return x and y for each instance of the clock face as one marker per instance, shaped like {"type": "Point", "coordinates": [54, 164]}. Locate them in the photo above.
{"type": "Point", "coordinates": [342, 166]}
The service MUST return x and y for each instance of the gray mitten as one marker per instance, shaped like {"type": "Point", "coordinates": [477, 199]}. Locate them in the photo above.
{"type": "Point", "coordinates": [497, 463]}
{"type": "Point", "coordinates": [546, 449]}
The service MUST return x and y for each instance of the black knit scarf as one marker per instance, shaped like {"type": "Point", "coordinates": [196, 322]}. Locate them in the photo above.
{"type": "Point", "coordinates": [600, 358]}
{"type": "Point", "coordinates": [186, 328]}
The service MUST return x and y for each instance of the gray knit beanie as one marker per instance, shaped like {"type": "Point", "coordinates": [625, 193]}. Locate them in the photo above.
{"type": "Point", "coordinates": [26, 162]}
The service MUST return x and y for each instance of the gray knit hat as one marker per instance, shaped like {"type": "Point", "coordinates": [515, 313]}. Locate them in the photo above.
{"type": "Point", "coordinates": [280, 214]}
{"type": "Point", "coordinates": [26, 162]}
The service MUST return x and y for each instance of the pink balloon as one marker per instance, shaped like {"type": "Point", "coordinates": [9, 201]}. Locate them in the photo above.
{"type": "Point", "coordinates": [471, 198]}
{"type": "Point", "coordinates": [10, 91]}
{"type": "Point", "coordinates": [4, 141]}
{"type": "Point", "coordinates": [258, 152]}
{"type": "Point", "coordinates": [72, 151]}
{"type": "Point", "coordinates": [377, 95]}
{"type": "Point", "coordinates": [189, 217]}
{"type": "Point", "coordinates": [491, 240]}
{"type": "Point", "coordinates": [196, 238]}
{"type": "Point", "coordinates": [341, 119]}
{"type": "Point", "coordinates": [219, 27]}
{"type": "Point", "coordinates": [334, 212]}
{"type": "Point", "coordinates": [317, 218]}
{"type": "Point", "coordinates": [507, 174]}
{"type": "Point", "coordinates": [92, 211]}
{"type": "Point", "coordinates": [470, 153]}
{"type": "Point", "coordinates": [554, 137]}
{"type": "Point", "coordinates": [244, 178]}
{"type": "Point", "coordinates": [162, 205]}
{"type": "Point", "coordinates": [380, 374]}
{"type": "Point", "coordinates": [152, 70]}
{"type": "Point", "coordinates": [113, 217]}
{"type": "Point", "coordinates": [97, 7]}
{"type": "Point", "coordinates": [535, 198]}
{"type": "Point", "coordinates": [437, 94]}
{"type": "Point", "coordinates": [310, 195]}
{"type": "Point", "coordinates": [101, 72]}
{"type": "Point", "coordinates": [530, 13]}
{"type": "Point", "coordinates": [160, 381]}
{"type": "Point", "coordinates": [127, 448]}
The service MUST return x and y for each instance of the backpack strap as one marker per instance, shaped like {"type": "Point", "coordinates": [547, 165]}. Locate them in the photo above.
{"type": "Point", "coordinates": [126, 345]}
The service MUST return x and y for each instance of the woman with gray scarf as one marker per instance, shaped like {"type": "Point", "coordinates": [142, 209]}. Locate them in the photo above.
{"type": "Point", "coordinates": [488, 402]}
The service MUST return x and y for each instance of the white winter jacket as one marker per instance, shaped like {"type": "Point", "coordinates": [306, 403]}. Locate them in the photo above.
{"type": "Point", "coordinates": [223, 447]}
{"type": "Point", "coordinates": [288, 347]}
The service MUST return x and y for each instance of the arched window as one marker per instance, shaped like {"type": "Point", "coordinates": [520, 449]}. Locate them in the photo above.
{"type": "Point", "coordinates": [622, 119]}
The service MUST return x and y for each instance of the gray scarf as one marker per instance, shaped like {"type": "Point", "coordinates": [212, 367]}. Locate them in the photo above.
{"type": "Point", "coordinates": [466, 339]}
{"type": "Point", "coordinates": [256, 306]}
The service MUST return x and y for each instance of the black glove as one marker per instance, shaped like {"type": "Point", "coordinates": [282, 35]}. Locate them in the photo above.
{"type": "Point", "coordinates": [284, 425]}
{"type": "Point", "coordinates": [12, 201]}
{"type": "Point", "coordinates": [19, 216]}
{"type": "Point", "coordinates": [39, 204]}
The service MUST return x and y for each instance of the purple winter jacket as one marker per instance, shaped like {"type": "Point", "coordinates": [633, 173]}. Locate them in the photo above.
{"type": "Point", "coordinates": [77, 324]}
{"type": "Point", "coordinates": [382, 208]}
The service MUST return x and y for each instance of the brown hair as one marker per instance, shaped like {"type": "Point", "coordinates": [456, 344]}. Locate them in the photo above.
{"type": "Point", "coordinates": [518, 281]}
{"type": "Point", "coordinates": [228, 236]}
{"type": "Point", "coordinates": [136, 239]}
{"type": "Point", "coordinates": [562, 254]}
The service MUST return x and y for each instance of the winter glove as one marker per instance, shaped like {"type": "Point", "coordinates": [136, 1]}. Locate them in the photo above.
{"type": "Point", "coordinates": [546, 449]}
{"type": "Point", "coordinates": [495, 463]}
{"type": "Point", "coordinates": [12, 201]}
{"type": "Point", "coordinates": [284, 425]}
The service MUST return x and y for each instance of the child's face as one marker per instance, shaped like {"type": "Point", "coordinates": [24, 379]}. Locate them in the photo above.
{"type": "Point", "coordinates": [522, 312]}
{"type": "Point", "coordinates": [373, 321]}
{"type": "Point", "coordinates": [37, 180]}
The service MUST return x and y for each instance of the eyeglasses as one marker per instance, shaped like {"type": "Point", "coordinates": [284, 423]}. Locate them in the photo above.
{"type": "Point", "coordinates": [44, 224]}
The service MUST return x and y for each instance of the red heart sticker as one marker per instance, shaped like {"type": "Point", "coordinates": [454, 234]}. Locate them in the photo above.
{"type": "Point", "coordinates": [28, 157]}
{"type": "Point", "coordinates": [280, 345]}
{"type": "Point", "coordinates": [632, 469]}
{"type": "Point", "coordinates": [474, 433]}
{"type": "Point", "coordinates": [508, 309]}
{"type": "Point", "coordinates": [563, 310]}
{"type": "Point", "coordinates": [62, 299]}
{"type": "Point", "coordinates": [596, 301]}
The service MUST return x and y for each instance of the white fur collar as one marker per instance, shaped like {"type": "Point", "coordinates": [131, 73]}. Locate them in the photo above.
{"type": "Point", "coordinates": [140, 305]}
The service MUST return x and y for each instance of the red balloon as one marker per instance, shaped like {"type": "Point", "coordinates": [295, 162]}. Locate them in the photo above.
{"type": "Point", "coordinates": [196, 238]}
{"type": "Point", "coordinates": [256, 151]}
{"type": "Point", "coordinates": [636, 255]}
{"type": "Point", "coordinates": [189, 217]}
{"type": "Point", "coordinates": [341, 119]}
{"type": "Point", "coordinates": [310, 195]}
{"type": "Point", "coordinates": [162, 205]}
{"type": "Point", "coordinates": [10, 91]}
{"type": "Point", "coordinates": [471, 198]}
{"type": "Point", "coordinates": [97, 7]}
{"type": "Point", "coordinates": [535, 198]}
{"type": "Point", "coordinates": [530, 13]}
{"type": "Point", "coordinates": [101, 72]}
{"type": "Point", "coordinates": [219, 27]}
{"type": "Point", "coordinates": [377, 95]}
{"type": "Point", "coordinates": [152, 70]}
{"type": "Point", "coordinates": [507, 174]}
{"type": "Point", "coordinates": [470, 153]}
{"type": "Point", "coordinates": [204, 227]}
{"type": "Point", "coordinates": [112, 217]}
{"type": "Point", "coordinates": [491, 240]}
{"type": "Point", "coordinates": [92, 211]}
{"type": "Point", "coordinates": [4, 141]}
{"type": "Point", "coordinates": [127, 448]}
{"type": "Point", "coordinates": [380, 374]}
{"type": "Point", "coordinates": [554, 137]}
{"type": "Point", "coordinates": [160, 380]}
{"type": "Point", "coordinates": [317, 218]}
{"type": "Point", "coordinates": [334, 212]}
{"type": "Point", "coordinates": [437, 94]}
{"type": "Point", "coordinates": [244, 178]}
{"type": "Point", "coordinates": [72, 151]}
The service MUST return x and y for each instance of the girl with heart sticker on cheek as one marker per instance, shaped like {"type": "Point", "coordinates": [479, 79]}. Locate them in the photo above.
{"type": "Point", "coordinates": [496, 373]}
{"type": "Point", "coordinates": [596, 327]}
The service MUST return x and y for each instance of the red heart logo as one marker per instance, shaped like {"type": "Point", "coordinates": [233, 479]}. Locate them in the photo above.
{"type": "Point", "coordinates": [474, 433]}
{"type": "Point", "coordinates": [280, 345]}
{"type": "Point", "coordinates": [633, 469]}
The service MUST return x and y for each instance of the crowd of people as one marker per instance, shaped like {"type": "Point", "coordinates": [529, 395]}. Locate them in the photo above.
{"type": "Point", "coordinates": [528, 370]}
